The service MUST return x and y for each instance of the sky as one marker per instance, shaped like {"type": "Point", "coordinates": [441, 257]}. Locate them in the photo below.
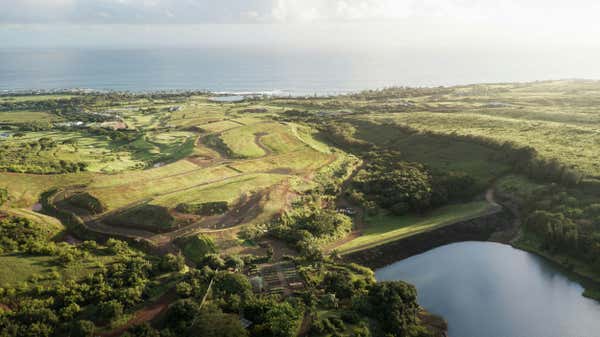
{"type": "Point", "coordinates": [301, 23]}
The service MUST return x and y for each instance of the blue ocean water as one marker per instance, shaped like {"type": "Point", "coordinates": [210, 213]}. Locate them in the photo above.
{"type": "Point", "coordinates": [276, 70]}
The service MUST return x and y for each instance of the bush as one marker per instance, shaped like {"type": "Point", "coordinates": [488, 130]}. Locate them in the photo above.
{"type": "Point", "coordinates": [145, 216]}
{"type": "Point", "coordinates": [3, 196]}
{"type": "Point", "coordinates": [88, 202]}
{"type": "Point", "coordinates": [214, 261]}
{"type": "Point", "coordinates": [183, 289]}
{"type": "Point", "coordinates": [171, 262]}
{"type": "Point", "coordinates": [180, 316]}
{"type": "Point", "coordinates": [196, 247]}
{"type": "Point", "coordinates": [110, 310]}
{"type": "Point", "coordinates": [206, 209]}
{"type": "Point", "coordinates": [82, 329]}
{"type": "Point", "coordinates": [142, 330]}
{"type": "Point", "coordinates": [234, 262]}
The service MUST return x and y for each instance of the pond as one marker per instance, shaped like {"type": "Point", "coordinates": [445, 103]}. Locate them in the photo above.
{"type": "Point", "coordinates": [486, 289]}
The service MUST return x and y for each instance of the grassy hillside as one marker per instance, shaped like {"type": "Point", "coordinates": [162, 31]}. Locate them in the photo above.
{"type": "Point", "coordinates": [384, 228]}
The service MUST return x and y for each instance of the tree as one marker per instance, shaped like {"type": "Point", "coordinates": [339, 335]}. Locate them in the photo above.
{"type": "Point", "coordinates": [110, 310]}
{"type": "Point", "coordinates": [394, 306]}
{"type": "Point", "coordinates": [228, 284]}
{"type": "Point", "coordinates": [394, 184]}
{"type": "Point", "coordinates": [70, 311]}
{"type": "Point", "coordinates": [3, 196]}
{"type": "Point", "coordinates": [171, 262]}
{"type": "Point", "coordinates": [82, 329]}
{"type": "Point", "coordinates": [142, 330]}
{"type": "Point", "coordinates": [283, 320]}
{"type": "Point", "coordinates": [339, 283]}
{"type": "Point", "coordinates": [272, 317]}
{"type": "Point", "coordinates": [212, 322]}
{"type": "Point", "coordinates": [184, 289]}
{"type": "Point", "coordinates": [181, 314]}
{"type": "Point", "coordinates": [234, 262]}
{"type": "Point", "coordinates": [214, 261]}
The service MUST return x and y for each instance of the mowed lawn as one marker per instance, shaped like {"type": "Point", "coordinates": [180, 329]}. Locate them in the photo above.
{"type": "Point", "coordinates": [387, 228]}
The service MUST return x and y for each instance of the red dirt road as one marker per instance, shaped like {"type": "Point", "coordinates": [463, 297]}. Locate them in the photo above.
{"type": "Point", "coordinates": [144, 315]}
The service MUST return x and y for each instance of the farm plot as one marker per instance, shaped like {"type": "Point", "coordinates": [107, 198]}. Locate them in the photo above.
{"type": "Point", "coordinates": [280, 278]}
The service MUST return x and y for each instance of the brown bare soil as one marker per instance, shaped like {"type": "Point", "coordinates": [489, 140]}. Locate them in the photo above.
{"type": "Point", "coordinates": [145, 314]}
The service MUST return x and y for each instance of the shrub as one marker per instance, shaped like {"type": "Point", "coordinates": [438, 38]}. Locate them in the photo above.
{"type": "Point", "coordinates": [206, 209]}
{"type": "Point", "coordinates": [88, 202]}
{"type": "Point", "coordinates": [110, 310]}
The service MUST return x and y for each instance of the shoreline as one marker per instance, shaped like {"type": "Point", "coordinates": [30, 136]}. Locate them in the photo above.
{"type": "Point", "coordinates": [273, 92]}
{"type": "Point", "coordinates": [478, 229]}
{"type": "Point", "coordinates": [502, 227]}
{"type": "Point", "coordinates": [589, 281]}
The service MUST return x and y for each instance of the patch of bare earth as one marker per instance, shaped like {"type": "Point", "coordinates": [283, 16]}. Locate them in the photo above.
{"type": "Point", "coordinates": [145, 314]}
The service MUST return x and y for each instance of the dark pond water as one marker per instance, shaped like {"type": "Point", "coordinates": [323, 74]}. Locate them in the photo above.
{"type": "Point", "coordinates": [486, 289]}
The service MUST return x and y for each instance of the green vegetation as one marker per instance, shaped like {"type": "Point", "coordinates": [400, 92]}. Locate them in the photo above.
{"type": "Point", "coordinates": [308, 227]}
{"type": "Point", "coordinates": [145, 216]}
{"type": "Point", "coordinates": [3, 196]}
{"type": "Point", "coordinates": [207, 208]}
{"type": "Point", "coordinates": [57, 283]}
{"type": "Point", "coordinates": [196, 247]}
{"type": "Point", "coordinates": [87, 202]}
{"type": "Point", "coordinates": [558, 222]}
{"type": "Point", "coordinates": [235, 204]}
{"type": "Point", "coordinates": [388, 228]}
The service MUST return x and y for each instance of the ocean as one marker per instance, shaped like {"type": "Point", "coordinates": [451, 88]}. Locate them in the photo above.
{"type": "Point", "coordinates": [277, 71]}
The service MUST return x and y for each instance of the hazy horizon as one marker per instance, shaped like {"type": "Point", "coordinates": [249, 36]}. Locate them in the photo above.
{"type": "Point", "coordinates": [348, 24]}
{"type": "Point", "coordinates": [355, 43]}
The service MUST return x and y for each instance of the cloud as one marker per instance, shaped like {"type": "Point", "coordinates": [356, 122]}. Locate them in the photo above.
{"type": "Point", "coordinates": [557, 12]}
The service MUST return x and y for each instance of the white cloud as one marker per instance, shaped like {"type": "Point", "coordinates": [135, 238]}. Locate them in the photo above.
{"type": "Point", "coordinates": [373, 21]}
{"type": "Point", "coordinates": [292, 11]}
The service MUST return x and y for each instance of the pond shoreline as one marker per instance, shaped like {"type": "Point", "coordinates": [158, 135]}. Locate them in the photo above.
{"type": "Point", "coordinates": [487, 286]}
{"type": "Point", "coordinates": [479, 229]}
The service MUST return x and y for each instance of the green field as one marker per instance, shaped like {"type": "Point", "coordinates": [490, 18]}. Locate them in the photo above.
{"type": "Point", "coordinates": [384, 228]}
{"type": "Point", "coordinates": [10, 117]}
{"type": "Point", "coordinates": [18, 269]}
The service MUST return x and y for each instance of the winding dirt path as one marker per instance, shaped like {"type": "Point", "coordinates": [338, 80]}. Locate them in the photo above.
{"type": "Point", "coordinates": [513, 234]}
{"type": "Point", "coordinates": [257, 140]}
